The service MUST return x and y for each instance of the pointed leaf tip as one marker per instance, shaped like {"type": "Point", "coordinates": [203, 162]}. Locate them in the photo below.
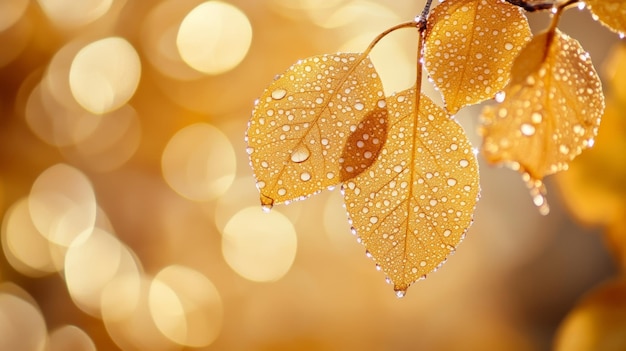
{"type": "Point", "coordinates": [412, 206]}
{"type": "Point", "coordinates": [550, 112]}
{"type": "Point", "coordinates": [306, 120]}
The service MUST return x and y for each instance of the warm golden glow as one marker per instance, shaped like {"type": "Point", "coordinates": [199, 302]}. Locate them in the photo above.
{"type": "Point", "coordinates": [104, 74]}
{"type": "Point", "coordinates": [259, 246]}
{"type": "Point", "coordinates": [214, 37]}
{"type": "Point", "coordinates": [130, 219]}
{"type": "Point", "coordinates": [62, 204]}
{"type": "Point", "coordinates": [185, 306]}
{"type": "Point", "coordinates": [55, 124]}
{"type": "Point", "coordinates": [70, 337]}
{"type": "Point", "coordinates": [90, 265]}
{"type": "Point", "coordinates": [22, 327]}
{"type": "Point", "coordinates": [11, 12]}
{"type": "Point", "coordinates": [24, 247]}
{"type": "Point", "coordinates": [199, 162]}
{"type": "Point", "coordinates": [69, 13]}
{"type": "Point", "coordinates": [127, 316]}
{"type": "Point", "coordinates": [111, 144]}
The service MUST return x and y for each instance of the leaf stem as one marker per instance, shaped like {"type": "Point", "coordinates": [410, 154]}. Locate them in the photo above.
{"type": "Point", "coordinates": [420, 62]}
{"type": "Point", "coordinates": [554, 22]}
{"type": "Point", "coordinates": [419, 22]}
{"type": "Point", "coordinates": [411, 24]}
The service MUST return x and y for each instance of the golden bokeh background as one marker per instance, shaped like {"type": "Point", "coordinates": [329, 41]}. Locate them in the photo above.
{"type": "Point", "coordinates": [130, 218]}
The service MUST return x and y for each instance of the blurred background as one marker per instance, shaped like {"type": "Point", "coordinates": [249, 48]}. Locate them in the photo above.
{"type": "Point", "coordinates": [131, 221]}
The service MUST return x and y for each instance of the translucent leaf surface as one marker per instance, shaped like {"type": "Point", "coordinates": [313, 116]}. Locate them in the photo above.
{"type": "Point", "coordinates": [320, 123]}
{"type": "Point", "coordinates": [412, 207]}
{"type": "Point", "coordinates": [548, 113]}
{"type": "Point", "coordinates": [611, 13]}
{"type": "Point", "coordinates": [470, 47]}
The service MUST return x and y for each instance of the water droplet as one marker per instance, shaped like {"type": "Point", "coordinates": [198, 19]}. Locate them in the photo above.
{"type": "Point", "coordinates": [536, 117]}
{"type": "Point", "coordinates": [508, 46]}
{"type": "Point", "coordinates": [305, 176]}
{"type": "Point", "coordinates": [400, 293]}
{"type": "Point", "coordinates": [300, 154]}
{"type": "Point", "coordinates": [382, 103]}
{"type": "Point", "coordinates": [500, 96]}
{"type": "Point", "coordinates": [250, 150]}
{"type": "Point", "coordinates": [282, 191]}
{"type": "Point", "coordinates": [266, 203]}
{"type": "Point", "coordinates": [464, 163]}
{"type": "Point", "coordinates": [527, 129]}
{"type": "Point", "coordinates": [373, 219]}
{"type": "Point", "coordinates": [358, 106]}
{"type": "Point", "coordinates": [451, 181]}
{"type": "Point", "coordinates": [279, 94]}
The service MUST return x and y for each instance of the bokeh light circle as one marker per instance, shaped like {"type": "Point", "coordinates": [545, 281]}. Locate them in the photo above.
{"type": "Point", "coordinates": [105, 74]}
{"type": "Point", "coordinates": [11, 12]}
{"type": "Point", "coordinates": [214, 37]}
{"type": "Point", "coordinates": [70, 337]}
{"type": "Point", "coordinates": [186, 306]}
{"type": "Point", "coordinates": [62, 204]}
{"type": "Point", "coordinates": [22, 327]}
{"type": "Point", "coordinates": [71, 13]}
{"type": "Point", "coordinates": [259, 246]}
{"type": "Point", "coordinates": [92, 264]}
{"type": "Point", "coordinates": [26, 250]}
{"type": "Point", "coordinates": [199, 162]}
{"type": "Point", "coordinates": [127, 317]}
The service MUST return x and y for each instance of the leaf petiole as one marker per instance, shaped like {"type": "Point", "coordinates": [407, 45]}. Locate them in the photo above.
{"type": "Point", "coordinates": [411, 24]}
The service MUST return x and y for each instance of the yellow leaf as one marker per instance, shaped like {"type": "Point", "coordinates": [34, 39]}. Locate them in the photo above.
{"type": "Point", "coordinates": [320, 123]}
{"type": "Point", "coordinates": [548, 113]}
{"type": "Point", "coordinates": [611, 13]}
{"type": "Point", "coordinates": [412, 207]}
{"type": "Point", "coordinates": [470, 47]}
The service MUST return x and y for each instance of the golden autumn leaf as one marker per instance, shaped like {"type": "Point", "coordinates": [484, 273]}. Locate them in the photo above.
{"type": "Point", "coordinates": [470, 47]}
{"type": "Point", "coordinates": [305, 121]}
{"type": "Point", "coordinates": [412, 207]}
{"type": "Point", "coordinates": [548, 113]}
{"type": "Point", "coordinates": [611, 13]}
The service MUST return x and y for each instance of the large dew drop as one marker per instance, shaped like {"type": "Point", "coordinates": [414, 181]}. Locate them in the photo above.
{"type": "Point", "coordinates": [300, 154]}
